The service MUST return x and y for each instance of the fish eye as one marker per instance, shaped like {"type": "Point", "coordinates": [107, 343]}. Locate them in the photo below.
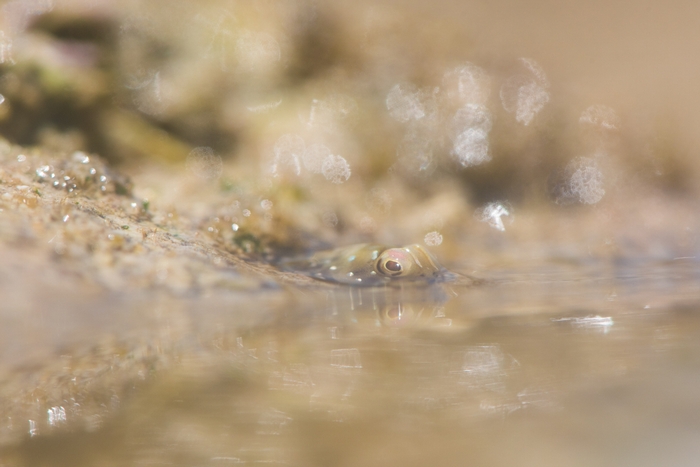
{"type": "Point", "coordinates": [390, 266]}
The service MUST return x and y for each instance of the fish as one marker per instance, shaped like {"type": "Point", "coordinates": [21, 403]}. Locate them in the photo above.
{"type": "Point", "coordinates": [370, 264]}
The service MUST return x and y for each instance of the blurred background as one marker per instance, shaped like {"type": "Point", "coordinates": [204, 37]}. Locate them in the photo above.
{"type": "Point", "coordinates": [355, 109]}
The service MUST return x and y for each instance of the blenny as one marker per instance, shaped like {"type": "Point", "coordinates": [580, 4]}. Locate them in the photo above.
{"type": "Point", "coordinates": [369, 264]}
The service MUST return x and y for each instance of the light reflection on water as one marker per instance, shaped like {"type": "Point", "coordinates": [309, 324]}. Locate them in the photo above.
{"type": "Point", "coordinates": [559, 368]}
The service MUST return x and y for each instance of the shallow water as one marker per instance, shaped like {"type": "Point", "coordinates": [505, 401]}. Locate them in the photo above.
{"type": "Point", "coordinates": [555, 365]}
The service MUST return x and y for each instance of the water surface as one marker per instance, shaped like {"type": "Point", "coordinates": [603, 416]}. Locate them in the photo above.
{"type": "Point", "coordinates": [559, 365]}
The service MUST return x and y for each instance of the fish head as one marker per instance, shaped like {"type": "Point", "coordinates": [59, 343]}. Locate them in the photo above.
{"type": "Point", "coordinates": [409, 262]}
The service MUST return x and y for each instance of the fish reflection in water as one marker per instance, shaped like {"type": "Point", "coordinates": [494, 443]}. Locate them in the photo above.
{"type": "Point", "coordinates": [413, 314]}
{"type": "Point", "coordinates": [411, 305]}
{"type": "Point", "coordinates": [369, 265]}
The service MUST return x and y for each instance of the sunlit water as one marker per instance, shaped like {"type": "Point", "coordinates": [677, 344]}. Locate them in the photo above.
{"type": "Point", "coordinates": [553, 365]}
